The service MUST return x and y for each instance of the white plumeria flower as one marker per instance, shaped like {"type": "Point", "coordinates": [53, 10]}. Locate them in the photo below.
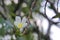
{"type": "Point", "coordinates": [20, 23]}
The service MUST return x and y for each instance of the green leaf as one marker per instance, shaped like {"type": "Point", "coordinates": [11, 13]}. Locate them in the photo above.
{"type": "Point", "coordinates": [37, 6]}
{"type": "Point", "coordinates": [57, 16]}
{"type": "Point", "coordinates": [26, 10]}
{"type": "Point", "coordinates": [17, 32]}
{"type": "Point", "coordinates": [2, 31]}
{"type": "Point", "coordinates": [31, 27]}
{"type": "Point", "coordinates": [12, 15]}
{"type": "Point", "coordinates": [11, 7]}
{"type": "Point", "coordinates": [20, 38]}
{"type": "Point", "coordinates": [2, 20]}
{"type": "Point", "coordinates": [29, 36]}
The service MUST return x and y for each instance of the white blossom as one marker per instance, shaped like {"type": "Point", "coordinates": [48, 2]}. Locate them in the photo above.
{"type": "Point", "coordinates": [20, 23]}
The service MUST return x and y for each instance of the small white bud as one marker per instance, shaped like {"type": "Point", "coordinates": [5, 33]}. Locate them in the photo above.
{"type": "Point", "coordinates": [4, 24]}
{"type": "Point", "coordinates": [24, 5]}
{"type": "Point", "coordinates": [15, 1]}
{"type": "Point", "coordinates": [14, 37]}
{"type": "Point", "coordinates": [22, 14]}
{"type": "Point", "coordinates": [7, 2]}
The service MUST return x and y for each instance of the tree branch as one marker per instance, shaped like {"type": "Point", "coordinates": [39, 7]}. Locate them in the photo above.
{"type": "Point", "coordinates": [48, 18]}
{"type": "Point", "coordinates": [57, 4]}
{"type": "Point", "coordinates": [18, 5]}
{"type": "Point", "coordinates": [52, 6]}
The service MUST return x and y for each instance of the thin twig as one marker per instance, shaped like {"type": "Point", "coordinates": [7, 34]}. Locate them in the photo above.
{"type": "Point", "coordinates": [48, 31]}
{"type": "Point", "coordinates": [7, 12]}
{"type": "Point", "coordinates": [57, 4]}
{"type": "Point", "coordinates": [48, 18]}
{"type": "Point", "coordinates": [45, 7]}
{"type": "Point", "coordinates": [33, 6]}
{"type": "Point", "coordinates": [53, 7]}
{"type": "Point", "coordinates": [4, 16]}
{"type": "Point", "coordinates": [18, 5]}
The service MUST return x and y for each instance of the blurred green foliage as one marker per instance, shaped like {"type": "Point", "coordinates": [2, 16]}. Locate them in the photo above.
{"type": "Point", "coordinates": [9, 27]}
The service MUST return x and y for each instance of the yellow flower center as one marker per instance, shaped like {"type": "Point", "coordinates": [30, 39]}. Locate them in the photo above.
{"type": "Point", "coordinates": [20, 25]}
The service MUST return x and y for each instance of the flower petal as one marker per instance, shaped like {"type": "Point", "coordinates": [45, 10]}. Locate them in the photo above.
{"type": "Point", "coordinates": [18, 18]}
{"type": "Point", "coordinates": [21, 30]}
{"type": "Point", "coordinates": [24, 20]}
{"type": "Point", "coordinates": [16, 23]}
{"type": "Point", "coordinates": [24, 25]}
